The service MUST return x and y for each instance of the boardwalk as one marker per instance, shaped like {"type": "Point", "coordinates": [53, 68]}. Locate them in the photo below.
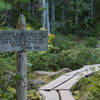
{"type": "Point", "coordinates": [59, 89]}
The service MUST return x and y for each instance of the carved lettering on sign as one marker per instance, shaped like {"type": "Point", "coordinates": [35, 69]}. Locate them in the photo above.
{"type": "Point", "coordinates": [23, 40]}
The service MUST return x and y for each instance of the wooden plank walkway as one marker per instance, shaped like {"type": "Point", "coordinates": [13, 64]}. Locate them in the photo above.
{"type": "Point", "coordinates": [50, 95]}
{"type": "Point", "coordinates": [59, 89]}
{"type": "Point", "coordinates": [66, 95]}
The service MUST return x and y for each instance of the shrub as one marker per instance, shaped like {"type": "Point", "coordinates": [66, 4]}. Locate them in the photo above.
{"type": "Point", "coordinates": [74, 58]}
{"type": "Point", "coordinates": [88, 88]}
{"type": "Point", "coordinates": [65, 51]}
{"type": "Point", "coordinates": [91, 42]}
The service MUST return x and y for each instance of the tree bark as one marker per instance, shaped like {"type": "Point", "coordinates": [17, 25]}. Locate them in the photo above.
{"type": "Point", "coordinates": [92, 8]}
{"type": "Point", "coordinates": [44, 14]}
{"type": "Point", "coordinates": [32, 12]}
{"type": "Point", "coordinates": [53, 15]}
{"type": "Point", "coordinates": [76, 14]}
{"type": "Point", "coordinates": [47, 15]}
{"type": "Point", "coordinates": [63, 19]}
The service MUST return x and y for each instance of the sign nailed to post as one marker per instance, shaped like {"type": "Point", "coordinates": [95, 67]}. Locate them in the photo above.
{"type": "Point", "coordinates": [23, 40]}
{"type": "Point", "coordinates": [20, 41]}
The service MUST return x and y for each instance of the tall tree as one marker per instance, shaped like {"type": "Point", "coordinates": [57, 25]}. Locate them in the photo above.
{"type": "Point", "coordinates": [47, 17]}
{"type": "Point", "coordinates": [63, 16]}
{"type": "Point", "coordinates": [44, 14]}
{"type": "Point", "coordinates": [92, 8]}
{"type": "Point", "coordinates": [76, 13]}
{"type": "Point", "coordinates": [53, 15]}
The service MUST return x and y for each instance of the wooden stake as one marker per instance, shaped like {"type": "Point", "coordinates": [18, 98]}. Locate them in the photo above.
{"type": "Point", "coordinates": [21, 66]}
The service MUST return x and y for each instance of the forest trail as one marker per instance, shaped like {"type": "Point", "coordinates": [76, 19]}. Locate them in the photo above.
{"type": "Point", "coordinates": [59, 89]}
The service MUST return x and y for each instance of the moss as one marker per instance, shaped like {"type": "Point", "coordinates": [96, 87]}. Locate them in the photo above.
{"type": "Point", "coordinates": [33, 95]}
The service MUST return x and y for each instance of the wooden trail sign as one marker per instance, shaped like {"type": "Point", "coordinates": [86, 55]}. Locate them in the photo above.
{"type": "Point", "coordinates": [20, 41]}
{"type": "Point", "coordinates": [23, 40]}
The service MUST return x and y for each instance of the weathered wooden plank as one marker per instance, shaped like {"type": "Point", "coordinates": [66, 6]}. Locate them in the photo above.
{"type": "Point", "coordinates": [78, 71]}
{"type": "Point", "coordinates": [23, 40]}
{"type": "Point", "coordinates": [76, 78]}
{"type": "Point", "coordinates": [56, 83]}
{"type": "Point", "coordinates": [68, 84]}
{"type": "Point", "coordinates": [82, 69]}
{"type": "Point", "coordinates": [66, 95]}
{"type": "Point", "coordinates": [74, 72]}
{"type": "Point", "coordinates": [94, 65]}
{"type": "Point", "coordinates": [64, 78]}
{"type": "Point", "coordinates": [49, 95]}
{"type": "Point", "coordinates": [21, 67]}
{"type": "Point", "coordinates": [21, 89]}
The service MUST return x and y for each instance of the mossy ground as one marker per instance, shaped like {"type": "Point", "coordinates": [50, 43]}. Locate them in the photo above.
{"type": "Point", "coordinates": [88, 88]}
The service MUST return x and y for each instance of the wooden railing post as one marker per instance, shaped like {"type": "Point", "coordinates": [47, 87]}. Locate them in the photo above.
{"type": "Point", "coordinates": [21, 66]}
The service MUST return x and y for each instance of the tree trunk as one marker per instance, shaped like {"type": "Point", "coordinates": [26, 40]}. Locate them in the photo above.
{"type": "Point", "coordinates": [92, 8]}
{"type": "Point", "coordinates": [44, 14]}
{"type": "Point", "coordinates": [53, 15]}
{"type": "Point", "coordinates": [32, 12]}
{"type": "Point", "coordinates": [29, 10]}
{"type": "Point", "coordinates": [63, 20]}
{"type": "Point", "coordinates": [76, 14]}
{"type": "Point", "coordinates": [47, 15]}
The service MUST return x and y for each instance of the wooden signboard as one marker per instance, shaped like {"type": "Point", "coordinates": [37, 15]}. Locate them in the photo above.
{"type": "Point", "coordinates": [23, 40]}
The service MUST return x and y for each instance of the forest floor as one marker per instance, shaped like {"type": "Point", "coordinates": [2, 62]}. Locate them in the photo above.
{"type": "Point", "coordinates": [40, 78]}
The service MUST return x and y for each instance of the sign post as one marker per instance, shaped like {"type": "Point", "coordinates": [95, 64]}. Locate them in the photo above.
{"type": "Point", "coordinates": [21, 41]}
{"type": "Point", "coordinates": [21, 66]}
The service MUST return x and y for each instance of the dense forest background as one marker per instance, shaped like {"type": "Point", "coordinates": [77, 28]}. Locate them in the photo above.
{"type": "Point", "coordinates": [73, 41]}
{"type": "Point", "coordinates": [58, 16]}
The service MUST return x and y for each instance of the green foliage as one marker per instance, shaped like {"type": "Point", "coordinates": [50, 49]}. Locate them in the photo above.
{"type": "Point", "coordinates": [4, 5]}
{"type": "Point", "coordinates": [32, 10]}
{"type": "Point", "coordinates": [21, 1]}
{"type": "Point", "coordinates": [7, 61]}
{"type": "Point", "coordinates": [33, 95]}
{"type": "Point", "coordinates": [41, 9]}
{"type": "Point", "coordinates": [88, 88]}
{"type": "Point", "coordinates": [91, 42]}
{"type": "Point", "coordinates": [66, 52]}
{"type": "Point", "coordinates": [85, 25]}
{"type": "Point", "coordinates": [6, 89]}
